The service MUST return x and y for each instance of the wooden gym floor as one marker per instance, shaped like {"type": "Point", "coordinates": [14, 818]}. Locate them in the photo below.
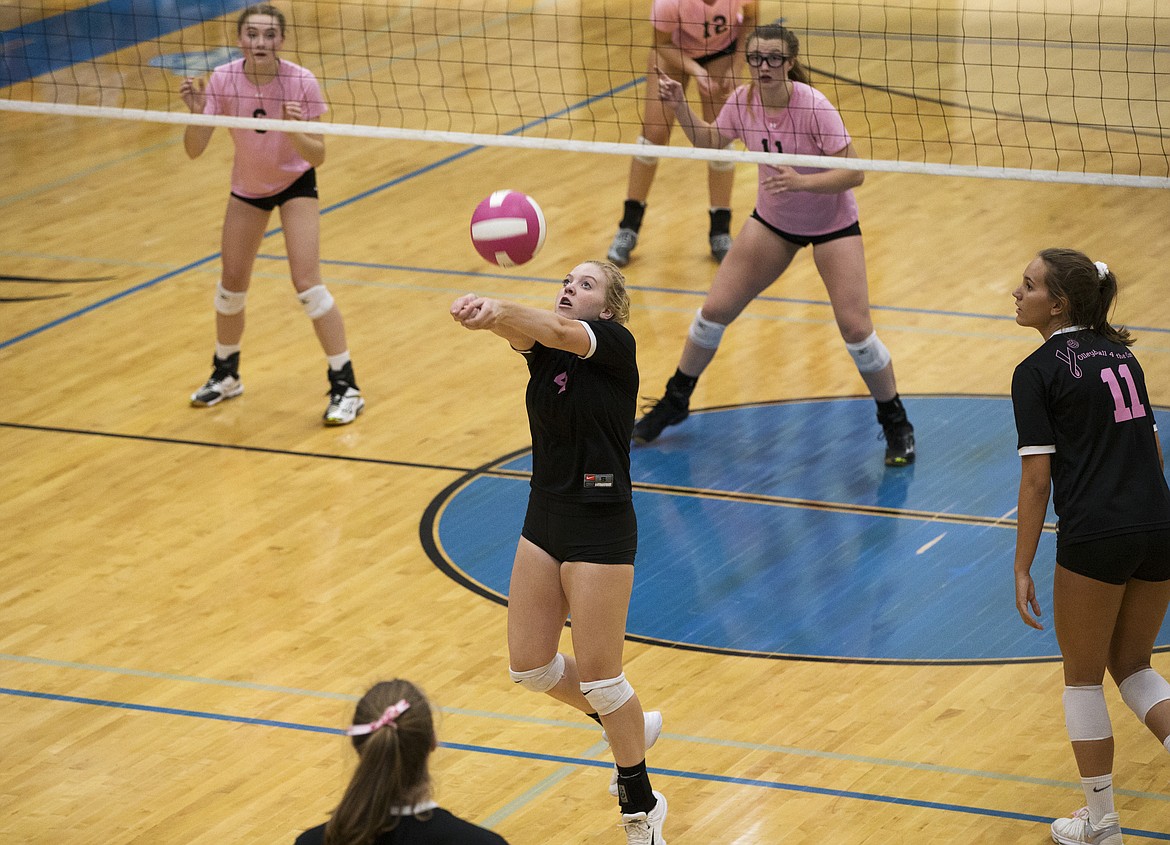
{"type": "Point", "coordinates": [192, 599]}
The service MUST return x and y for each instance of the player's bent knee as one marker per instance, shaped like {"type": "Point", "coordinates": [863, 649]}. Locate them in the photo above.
{"type": "Point", "coordinates": [1086, 716]}
{"type": "Point", "coordinates": [870, 355]}
{"type": "Point", "coordinates": [542, 679]}
{"type": "Point", "coordinates": [607, 696]}
{"type": "Point", "coordinates": [705, 333]}
{"type": "Point", "coordinates": [229, 302]}
{"type": "Point", "coordinates": [317, 301]}
{"type": "Point", "coordinates": [650, 161]}
{"type": "Point", "coordinates": [1143, 690]}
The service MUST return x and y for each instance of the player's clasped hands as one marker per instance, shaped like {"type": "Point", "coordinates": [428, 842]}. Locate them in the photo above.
{"type": "Point", "coordinates": [475, 312]}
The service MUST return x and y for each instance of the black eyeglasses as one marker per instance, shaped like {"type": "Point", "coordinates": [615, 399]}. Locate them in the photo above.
{"type": "Point", "coordinates": [772, 59]}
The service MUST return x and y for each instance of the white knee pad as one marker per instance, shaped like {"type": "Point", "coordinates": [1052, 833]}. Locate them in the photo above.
{"type": "Point", "coordinates": [1085, 715]}
{"type": "Point", "coordinates": [705, 333]}
{"type": "Point", "coordinates": [649, 160]}
{"type": "Point", "coordinates": [870, 355]}
{"type": "Point", "coordinates": [723, 166]}
{"type": "Point", "coordinates": [1142, 690]}
{"type": "Point", "coordinates": [317, 301]}
{"type": "Point", "coordinates": [229, 302]}
{"type": "Point", "coordinates": [542, 679]}
{"type": "Point", "coordinates": [607, 696]}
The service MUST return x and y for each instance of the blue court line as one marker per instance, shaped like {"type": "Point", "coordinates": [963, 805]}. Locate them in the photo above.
{"type": "Point", "coordinates": [578, 761]}
{"type": "Point", "coordinates": [767, 748]}
{"type": "Point", "coordinates": [169, 711]}
{"type": "Point", "coordinates": [80, 35]}
{"type": "Point", "coordinates": [102, 302]}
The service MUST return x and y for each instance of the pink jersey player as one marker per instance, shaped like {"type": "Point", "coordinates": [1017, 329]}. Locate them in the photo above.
{"type": "Point", "coordinates": [272, 170]}
{"type": "Point", "coordinates": [809, 125]}
{"type": "Point", "coordinates": [779, 112]}
{"type": "Point", "coordinates": [700, 28]}
{"type": "Point", "coordinates": [693, 39]}
{"type": "Point", "coordinates": [265, 162]}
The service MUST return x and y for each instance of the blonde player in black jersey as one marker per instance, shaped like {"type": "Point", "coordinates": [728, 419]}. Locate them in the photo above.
{"type": "Point", "coordinates": [1087, 433]}
{"type": "Point", "coordinates": [576, 551]}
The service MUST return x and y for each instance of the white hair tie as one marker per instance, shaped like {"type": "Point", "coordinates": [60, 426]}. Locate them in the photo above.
{"type": "Point", "coordinates": [1102, 269]}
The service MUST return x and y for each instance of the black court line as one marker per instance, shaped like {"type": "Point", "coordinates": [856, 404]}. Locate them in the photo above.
{"type": "Point", "coordinates": [491, 468]}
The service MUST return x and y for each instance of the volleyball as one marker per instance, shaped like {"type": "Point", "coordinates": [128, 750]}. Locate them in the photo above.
{"type": "Point", "coordinates": [508, 228]}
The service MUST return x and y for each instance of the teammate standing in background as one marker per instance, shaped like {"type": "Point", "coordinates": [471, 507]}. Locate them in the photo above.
{"type": "Point", "coordinates": [1086, 432]}
{"type": "Point", "coordinates": [576, 551]}
{"type": "Point", "coordinates": [780, 112]}
{"type": "Point", "coordinates": [271, 170]}
{"type": "Point", "coordinates": [693, 39]}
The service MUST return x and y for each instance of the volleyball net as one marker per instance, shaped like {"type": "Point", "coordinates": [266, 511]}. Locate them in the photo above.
{"type": "Point", "coordinates": [1025, 92]}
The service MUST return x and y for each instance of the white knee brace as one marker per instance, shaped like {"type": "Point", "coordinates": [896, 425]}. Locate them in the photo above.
{"type": "Point", "coordinates": [705, 333]}
{"type": "Point", "coordinates": [229, 302]}
{"type": "Point", "coordinates": [607, 696]}
{"type": "Point", "coordinates": [317, 301]}
{"type": "Point", "coordinates": [1085, 715]}
{"type": "Point", "coordinates": [722, 165]}
{"type": "Point", "coordinates": [542, 679]}
{"type": "Point", "coordinates": [870, 355]}
{"type": "Point", "coordinates": [1142, 690]}
{"type": "Point", "coordinates": [649, 160]}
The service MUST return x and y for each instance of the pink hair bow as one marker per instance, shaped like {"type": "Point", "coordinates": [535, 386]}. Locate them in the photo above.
{"type": "Point", "coordinates": [387, 718]}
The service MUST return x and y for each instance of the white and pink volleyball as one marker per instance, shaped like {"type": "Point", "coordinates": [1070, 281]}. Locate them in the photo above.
{"type": "Point", "coordinates": [507, 228]}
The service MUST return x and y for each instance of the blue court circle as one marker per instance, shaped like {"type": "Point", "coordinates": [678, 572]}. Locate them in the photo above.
{"type": "Point", "coordinates": [776, 530]}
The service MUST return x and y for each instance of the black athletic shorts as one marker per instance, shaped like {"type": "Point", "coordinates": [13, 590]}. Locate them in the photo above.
{"type": "Point", "coordinates": [729, 50]}
{"type": "Point", "coordinates": [1144, 555]}
{"type": "Point", "coordinates": [305, 186]}
{"type": "Point", "coordinates": [806, 240]}
{"type": "Point", "coordinates": [588, 532]}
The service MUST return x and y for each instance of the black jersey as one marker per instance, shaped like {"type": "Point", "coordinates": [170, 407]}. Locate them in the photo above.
{"type": "Point", "coordinates": [438, 827]}
{"type": "Point", "coordinates": [581, 415]}
{"type": "Point", "coordinates": [1083, 399]}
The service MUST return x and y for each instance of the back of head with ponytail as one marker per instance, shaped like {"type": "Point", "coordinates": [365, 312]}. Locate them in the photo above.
{"type": "Point", "coordinates": [392, 771]}
{"type": "Point", "coordinates": [1088, 290]}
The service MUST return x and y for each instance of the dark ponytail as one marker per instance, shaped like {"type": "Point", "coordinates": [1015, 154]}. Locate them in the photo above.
{"type": "Point", "coordinates": [392, 769]}
{"type": "Point", "coordinates": [1088, 290]}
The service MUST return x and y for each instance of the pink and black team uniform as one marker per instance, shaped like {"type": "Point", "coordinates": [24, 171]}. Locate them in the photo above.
{"type": "Point", "coordinates": [267, 170]}
{"type": "Point", "coordinates": [1082, 399]}
{"type": "Point", "coordinates": [581, 415]}
{"type": "Point", "coordinates": [810, 125]}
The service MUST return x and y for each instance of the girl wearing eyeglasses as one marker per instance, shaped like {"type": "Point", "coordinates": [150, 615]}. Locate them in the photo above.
{"type": "Point", "coordinates": [693, 39]}
{"type": "Point", "coordinates": [779, 112]}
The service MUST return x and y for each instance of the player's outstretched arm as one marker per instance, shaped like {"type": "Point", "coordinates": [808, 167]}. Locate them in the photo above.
{"type": "Point", "coordinates": [521, 325]}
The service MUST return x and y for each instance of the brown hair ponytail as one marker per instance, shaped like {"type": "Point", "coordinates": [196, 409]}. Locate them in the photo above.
{"type": "Point", "coordinates": [392, 771]}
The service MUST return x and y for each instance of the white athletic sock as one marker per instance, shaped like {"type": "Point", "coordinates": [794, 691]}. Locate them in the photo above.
{"type": "Point", "coordinates": [1098, 796]}
{"type": "Point", "coordinates": [1167, 743]}
{"type": "Point", "coordinates": [336, 362]}
{"type": "Point", "coordinates": [223, 350]}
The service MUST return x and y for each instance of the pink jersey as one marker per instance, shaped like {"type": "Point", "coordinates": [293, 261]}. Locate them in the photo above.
{"type": "Point", "coordinates": [808, 126]}
{"type": "Point", "coordinates": [699, 28]}
{"type": "Point", "coordinates": [266, 162]}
